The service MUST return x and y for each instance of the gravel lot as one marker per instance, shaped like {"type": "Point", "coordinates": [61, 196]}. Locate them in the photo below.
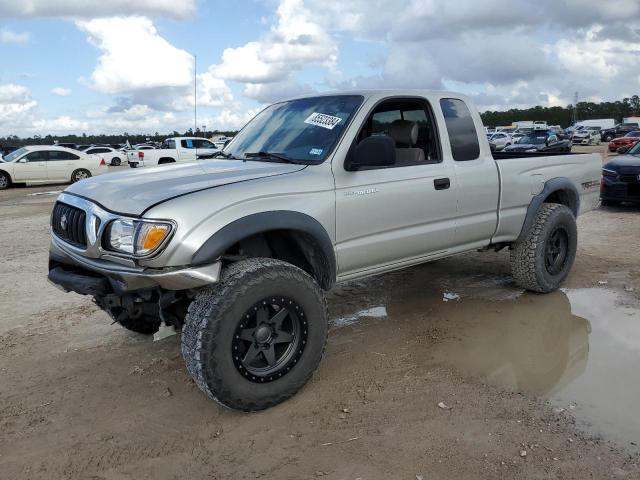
{"type": "Point", "coordinates": [493, 383]}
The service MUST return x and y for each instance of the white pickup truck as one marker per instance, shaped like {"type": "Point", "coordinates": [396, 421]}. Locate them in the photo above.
{"type": "Point", "coordinates": [237, 251]}
{"type": "Point", "coordinates": [173, 150]}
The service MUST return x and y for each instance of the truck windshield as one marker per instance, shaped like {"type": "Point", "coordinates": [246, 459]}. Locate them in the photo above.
{"type": "Point", "coordinates": [304, 130]}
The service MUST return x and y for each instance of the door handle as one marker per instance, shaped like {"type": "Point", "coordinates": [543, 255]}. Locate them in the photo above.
{"type": "Point", "coordinates": [441, 183]}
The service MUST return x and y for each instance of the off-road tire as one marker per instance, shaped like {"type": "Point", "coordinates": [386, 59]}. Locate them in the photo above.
{"type": "Point", "coordinates": [528, 256]}
{"type": "Point", "coordinates": [212, 321]}
{"type": "Point", "coordinates": [5, 181]}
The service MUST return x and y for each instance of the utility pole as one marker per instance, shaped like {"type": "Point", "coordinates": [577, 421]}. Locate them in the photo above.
{"type": "Point", "coordinates": [575, 108]}
{"type": "Point", "coordinates": [195, 95]}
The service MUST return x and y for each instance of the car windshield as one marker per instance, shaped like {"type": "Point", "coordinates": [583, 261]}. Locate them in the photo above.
{"type": "Point", "coordinates": [533, 140]}
{"type": "Point", "coordinates": [633, 134]}
{"type": "Point", "coordinates": [15, 154]}
{"type": "Point", "coordinates": [635, 150]}
{"type": "Point", "coordinates": [303, 130]}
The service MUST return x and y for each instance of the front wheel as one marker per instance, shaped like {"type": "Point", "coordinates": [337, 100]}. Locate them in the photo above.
{"type": "Point", "coordinates": [5, 181]}
{"type": "Point", "coordinates": [254, 339]}
{"type": "Point", "coordinates": [542, 260]}
{"type": "Point", "coordinates": [115, 162]}
{"type": "Point", "coordinates": [80, 174]}
{"type": "Point", "coordinates": [608, 138]}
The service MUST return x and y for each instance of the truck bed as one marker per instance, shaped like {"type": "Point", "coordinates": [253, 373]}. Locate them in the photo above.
{"type": "Point", "coordinates": [523, 179]}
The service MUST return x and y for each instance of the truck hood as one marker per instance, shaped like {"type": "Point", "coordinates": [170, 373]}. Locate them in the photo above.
{"type": "Point", "coordinates": [623, 161]}
{"type": "Point", "coordinates": [135, 190]}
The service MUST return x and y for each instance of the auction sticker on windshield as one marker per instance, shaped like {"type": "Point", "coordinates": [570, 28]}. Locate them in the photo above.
{"type": "Point", "coordinates": [322, 120]}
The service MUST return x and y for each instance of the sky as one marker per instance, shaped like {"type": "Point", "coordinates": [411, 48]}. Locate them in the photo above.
{"type": "Point", "coordinates": [114, 66]}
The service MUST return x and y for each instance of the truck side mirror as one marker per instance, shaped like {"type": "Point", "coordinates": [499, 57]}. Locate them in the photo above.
{"type": "Point", "coordinates": [374, 151]}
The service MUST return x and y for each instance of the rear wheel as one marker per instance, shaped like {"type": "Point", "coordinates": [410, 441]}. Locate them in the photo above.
{"type": "Point", "coordinates": [254, 339]}
{"type": "Point", "coordinates": [80, 174]}
{"type": "Point", "coordinates": [5, 181]}
{"type": "Point", "coordinates": [542, 260]}
{"type": "Point", "coordinates": [608, 138]}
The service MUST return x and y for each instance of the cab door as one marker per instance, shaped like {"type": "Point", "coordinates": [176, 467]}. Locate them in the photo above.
{"type": "Point", "coordinates": [31, 168]}
{"type": "Point", "coordinates": [398, 214]}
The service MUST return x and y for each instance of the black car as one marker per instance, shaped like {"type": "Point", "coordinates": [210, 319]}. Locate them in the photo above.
{"type": "Point", "coordinates": [621, 178]}
{"type": "Point", "coordinates": [619, 130]}
{"type": "Point", "coordinates": [540, 141]}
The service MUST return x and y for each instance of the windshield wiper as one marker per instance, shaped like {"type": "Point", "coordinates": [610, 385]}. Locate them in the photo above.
{"type": "Point", "coordinates": [207, 156]}
{"type": "Point", "coordinates": [276, 156]}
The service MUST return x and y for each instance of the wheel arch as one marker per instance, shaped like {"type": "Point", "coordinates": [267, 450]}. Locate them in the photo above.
{"type": "Point", "coordinates": [559, 190]}
{"type": "Point", "coordinates": [166, 160]}
{"type": "Point", "coordinates": [286, 235]}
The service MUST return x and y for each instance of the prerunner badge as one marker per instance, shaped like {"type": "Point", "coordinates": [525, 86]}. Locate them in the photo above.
{"type": "Point", "coordinates": [322, 120]}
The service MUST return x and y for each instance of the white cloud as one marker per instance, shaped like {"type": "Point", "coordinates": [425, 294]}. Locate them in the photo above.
{"type": "Point", "coordinates": [294, 41]}
{"type": "Point", "coordinates": [96, 8]}
{"type": "Point", "coordinates": [16, 105]}
{"type": "Point", "coordinates": [61, 91]}
{"type": "Point", "coordinates": [134, 56]}
{"type": "Point", "coordinates": [59, 125]}
{"type": "Point", "coordinates": [9, 36]}
{"type": "Point", "coordinates": [230, 119]}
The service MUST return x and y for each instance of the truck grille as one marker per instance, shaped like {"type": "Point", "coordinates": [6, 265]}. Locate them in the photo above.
{"type": "Point", "coordinates": [68, 223]}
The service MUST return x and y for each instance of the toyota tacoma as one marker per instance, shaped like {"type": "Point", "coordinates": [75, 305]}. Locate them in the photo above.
{"type": "Point", "coordinates": [237, 252]}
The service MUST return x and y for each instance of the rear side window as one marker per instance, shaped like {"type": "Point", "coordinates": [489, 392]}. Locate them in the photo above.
{"type": "Point", "coordinates": [462, 131]}
{"type": "Point", "coordinates": [61, 155]}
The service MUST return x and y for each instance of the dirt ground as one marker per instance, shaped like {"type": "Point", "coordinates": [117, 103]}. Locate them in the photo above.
{"type": "Point", "coordinates": [411, 386]}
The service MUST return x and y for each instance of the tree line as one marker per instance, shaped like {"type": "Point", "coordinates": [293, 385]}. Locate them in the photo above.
{"type": "Point", "coordinates": [565, 116]}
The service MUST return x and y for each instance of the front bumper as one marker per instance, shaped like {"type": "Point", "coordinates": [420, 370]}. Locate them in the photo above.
{"type": "Point", "coordinates": [614, 189]}
{"type": "Point", "coordinates": [581, 141]}
{"type": "Point", "coordinates": [72, 272]}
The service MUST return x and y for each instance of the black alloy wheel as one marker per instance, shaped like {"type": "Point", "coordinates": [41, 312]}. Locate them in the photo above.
{"type": "Point", "coordinates": [269, 339]}
{"type": "Point", "coordinates": [556, 250]}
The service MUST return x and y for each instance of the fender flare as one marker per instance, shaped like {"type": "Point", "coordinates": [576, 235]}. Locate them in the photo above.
{"type": "Point", "coordinates": [558, 184]}
{"type": "Point", "coordinates": [244, 227]}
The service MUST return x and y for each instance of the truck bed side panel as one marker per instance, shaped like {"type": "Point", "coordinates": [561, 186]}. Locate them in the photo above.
{"type": "Point", "coordinates": [523, 178]}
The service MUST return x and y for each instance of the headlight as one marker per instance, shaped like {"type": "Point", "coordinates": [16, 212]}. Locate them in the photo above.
{"type": "Point", "coordinates": [609, 173]}
{"type": "Point", "coordinates": [135, 237]}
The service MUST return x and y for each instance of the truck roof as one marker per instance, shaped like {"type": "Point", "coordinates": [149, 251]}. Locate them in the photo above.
{"type": "Point", "coordinates": [383, 93]}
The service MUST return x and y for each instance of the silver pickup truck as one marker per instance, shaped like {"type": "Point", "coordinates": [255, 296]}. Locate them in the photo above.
{"type": "Point", "coordinates": [237, 251]}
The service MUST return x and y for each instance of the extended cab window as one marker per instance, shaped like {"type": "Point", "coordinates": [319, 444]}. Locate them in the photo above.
{"type": "Point", "coordinates": [463, 136]}
{"type": "Point", "coordinates": [409, 122]}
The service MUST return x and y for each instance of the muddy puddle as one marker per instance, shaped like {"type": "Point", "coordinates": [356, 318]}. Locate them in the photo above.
{"type": "Point", "coordinates": [580, 349]}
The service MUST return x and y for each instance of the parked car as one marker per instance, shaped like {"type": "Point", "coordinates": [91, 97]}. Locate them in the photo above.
{"type": "Point", "coordinates": [629, 139]}
{"type": "Point", "coordinates": [67, 145]}
{"type": "Point", "coordinates": [621, 178]}
{"type": "Point", "coordinates": [237, 251]}
{"type": "Point", "coordinates": [48, 164]}
{"type": "Point", "coordinates": [500, 140]}
{"type": "Point", "coordinates": [619, 130]}
{"type": "Point", "coordinates": [587, 136]}
{"type": "Point", "coordinates": [540, 141]}
{"type": "Point", "coordinates": [177, 149]}
{"type": "Point", "coordinates": [112, 156]}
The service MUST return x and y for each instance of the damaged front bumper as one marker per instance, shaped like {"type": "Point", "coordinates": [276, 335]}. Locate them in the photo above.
{"type": "Point", "coordinates": [87, 276]}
